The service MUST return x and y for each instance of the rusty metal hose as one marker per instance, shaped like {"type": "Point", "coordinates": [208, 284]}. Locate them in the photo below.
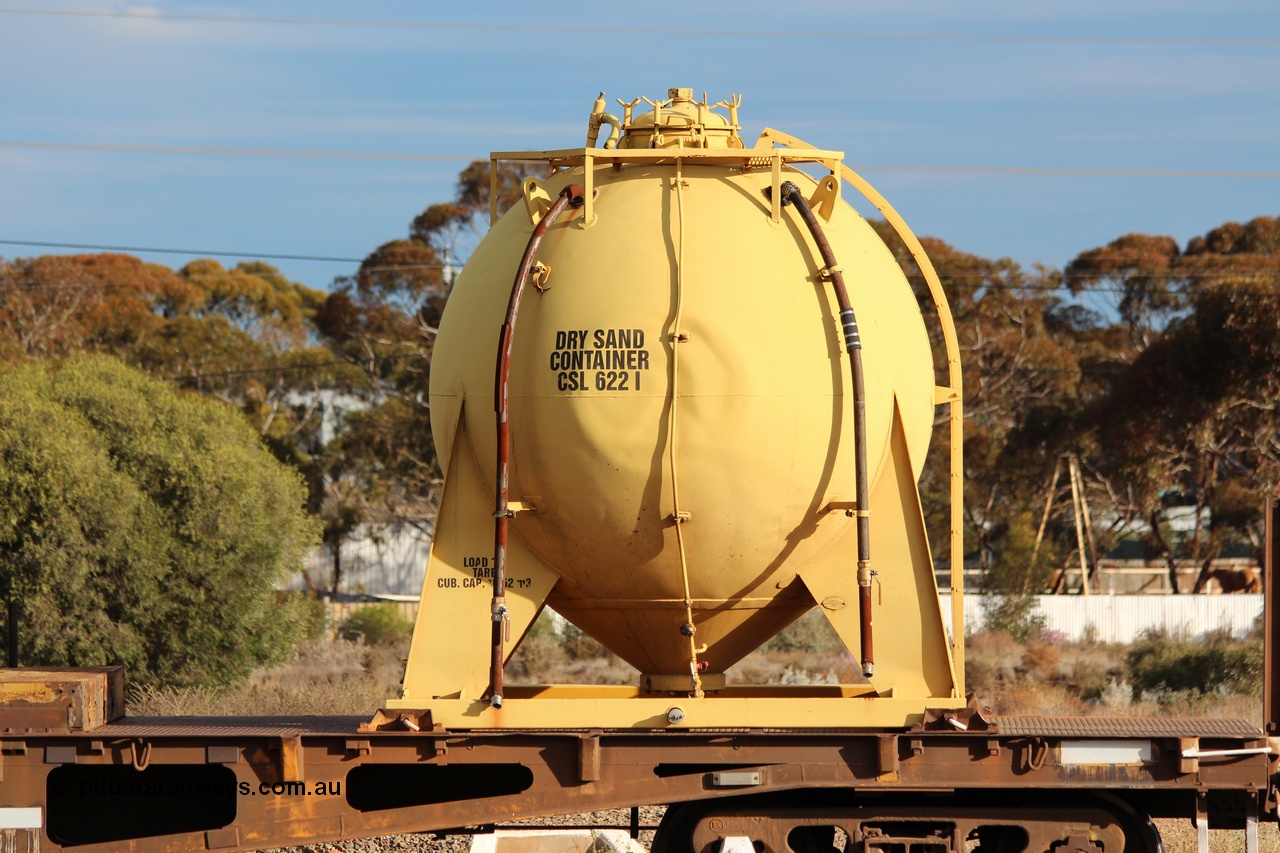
{"type": "Point", "coordinates": [853, 346]}
{"type": "Point", "coordinates": [572, 196]}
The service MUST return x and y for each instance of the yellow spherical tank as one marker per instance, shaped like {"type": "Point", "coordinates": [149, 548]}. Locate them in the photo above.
{"type": "Point", "coordinates": [682, 479]}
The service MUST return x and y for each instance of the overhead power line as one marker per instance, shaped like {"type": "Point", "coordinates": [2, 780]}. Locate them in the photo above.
{"type": "Point", "coordinates": [1239, 283]}
{"type": "Point", "coordinates": [204, 253]}
{"type": "Point", "coordinates": [237, 152]}
{"type": "Point", "coordinates": [1072, 173]}
{"type": "Point", "coordinates": [1051, 171]}
{"type": "Point", "coordinates": [659, 31]}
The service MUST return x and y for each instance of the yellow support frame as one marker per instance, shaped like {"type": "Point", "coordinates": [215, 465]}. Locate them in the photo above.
{"type": "Point", "coordinates": [836, 706]}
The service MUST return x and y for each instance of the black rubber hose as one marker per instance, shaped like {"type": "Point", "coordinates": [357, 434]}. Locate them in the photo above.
{"type": "Point", "coordinates": [791, 195]}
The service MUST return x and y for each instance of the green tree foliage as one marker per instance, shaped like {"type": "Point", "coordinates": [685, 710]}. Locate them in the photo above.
{"type": "Point", "coordinates": [1019, 570]}
{"type": "Point", "coordinates": [380, 624]}
{"type": "Point", "coordinates": [382, 467]}
{"type": "Point", "coordinates": [143, 527]}
{"type": "Point", "coordinates": [1191, 420]}
{"type": "Point", "coordinates": [1022, 351]}
{"type": "Point", "coordinates": [1171, 400]}
{"type": "Point", "coordinates": [1142, 270]}
{"type": "Point", "coordinates": [1161, 663]}
{"type": "Point", "coordinates": [454, 226]}
{"type": "Point", "coordinates": [244, 335]}
{"type": "Point", "coordinates": [383, 320]}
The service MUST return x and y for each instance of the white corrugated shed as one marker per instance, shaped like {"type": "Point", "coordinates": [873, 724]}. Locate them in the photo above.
{"type": "Point", "coordinates": [1124, 618]}
{"type": "Point", "coordinates": [378, 561]}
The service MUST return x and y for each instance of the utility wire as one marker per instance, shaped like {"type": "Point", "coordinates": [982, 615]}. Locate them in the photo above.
{"type": "Point", "coordinates": [660, 31]}
{"type": "Point", "coordinates": [1073, 173]}
{"type": "Point", "coordinates": [236, 152]}
{"type": "Point", "coordinates": [199, 252]}
{"type": "Point", "coordinates": [979, 277]}
{"type": "Point", "coordinates": [1050, 171]}
{"type": "Point", "coordinates": [1264, 283]}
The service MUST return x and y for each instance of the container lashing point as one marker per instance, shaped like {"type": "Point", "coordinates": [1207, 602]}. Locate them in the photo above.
{"type": "Point", "coordinates": [539, 275]}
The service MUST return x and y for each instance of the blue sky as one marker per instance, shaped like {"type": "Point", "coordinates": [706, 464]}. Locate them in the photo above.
{"type": "Point", "coordinates": [1159, 86]}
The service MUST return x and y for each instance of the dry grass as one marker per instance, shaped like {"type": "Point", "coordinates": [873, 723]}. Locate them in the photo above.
{"type": "Point", "coordinates": [565, 655]}
{"type": "Point", "coordinates": [323, 677]}
{"type": "Point", "coordinates": [1035, 678]}
{"type": "Point", "coordinates": [1081, 679]}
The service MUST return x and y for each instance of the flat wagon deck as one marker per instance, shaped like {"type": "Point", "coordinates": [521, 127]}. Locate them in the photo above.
{"type": "Point", "coordinates": [188, 783]}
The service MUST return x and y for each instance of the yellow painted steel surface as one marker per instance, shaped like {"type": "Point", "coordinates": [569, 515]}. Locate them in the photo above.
{"type": "Point", "coordinates": [683, 355]}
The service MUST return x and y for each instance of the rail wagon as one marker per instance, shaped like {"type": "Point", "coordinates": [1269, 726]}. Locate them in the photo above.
{"type": "Point", "coordinates": [682, 394]}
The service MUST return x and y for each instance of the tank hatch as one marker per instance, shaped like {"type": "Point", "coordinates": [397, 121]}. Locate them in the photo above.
{"type": "Point", "coordinates": [676, 122]}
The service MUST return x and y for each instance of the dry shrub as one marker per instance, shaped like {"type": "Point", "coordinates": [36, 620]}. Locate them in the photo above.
{"type": "Point", "coordinates": [376, 625]}
{"type": "Point", "coordinates": [1091, 667]}
{"type": "Point", "coordinates": [316, 660]}
{"type": "Point", "coordinates": [810, 633]}
{"type": "Point", "coordinates": [606, 669]}
{"type": "Point", "coordinates": [1229, 706]}
{"type": "Point", "coordinates": [1041, 662]}
{"type": "Point", "coordinates": [1030, 698]}
{"type": "Point", "coordinates": [991, 659]}
{"type": "Point", "coordinates": [321, 677]}
{"type": "Point", "coordinates": [565, 655]}
{"type": "Point", "coordinates": [764, 666]}
{"type": "Point", "coordinates": [578, 645]}
{"type": "Point", "coordinates": [358, 695]}
{"type": "Point", "coordinates": [1214, 664]}
{"type": "Point", "coordinates": [808, 651]}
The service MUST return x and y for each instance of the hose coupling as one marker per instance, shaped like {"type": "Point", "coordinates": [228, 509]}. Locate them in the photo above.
{"type": "Point", "coordinates": [576, 194]}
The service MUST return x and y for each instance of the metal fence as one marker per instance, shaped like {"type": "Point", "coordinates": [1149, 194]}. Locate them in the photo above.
{"type": "Point", "coordinates": [339, 611]}
{"type": "Point", "coordinates": [376, 561]}
{"type": "Point", "coordinates": [1124, 618]}
{"type": "Point", "coordinates": [1101, 618]}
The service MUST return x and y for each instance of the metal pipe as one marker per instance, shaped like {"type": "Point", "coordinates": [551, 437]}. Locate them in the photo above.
{"type": "Point", "coordinates": [599, 117]}
{"type": "Point", "coordinates": [571, 196]}
{"type": "Point", "coordinates": [791, 195]}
